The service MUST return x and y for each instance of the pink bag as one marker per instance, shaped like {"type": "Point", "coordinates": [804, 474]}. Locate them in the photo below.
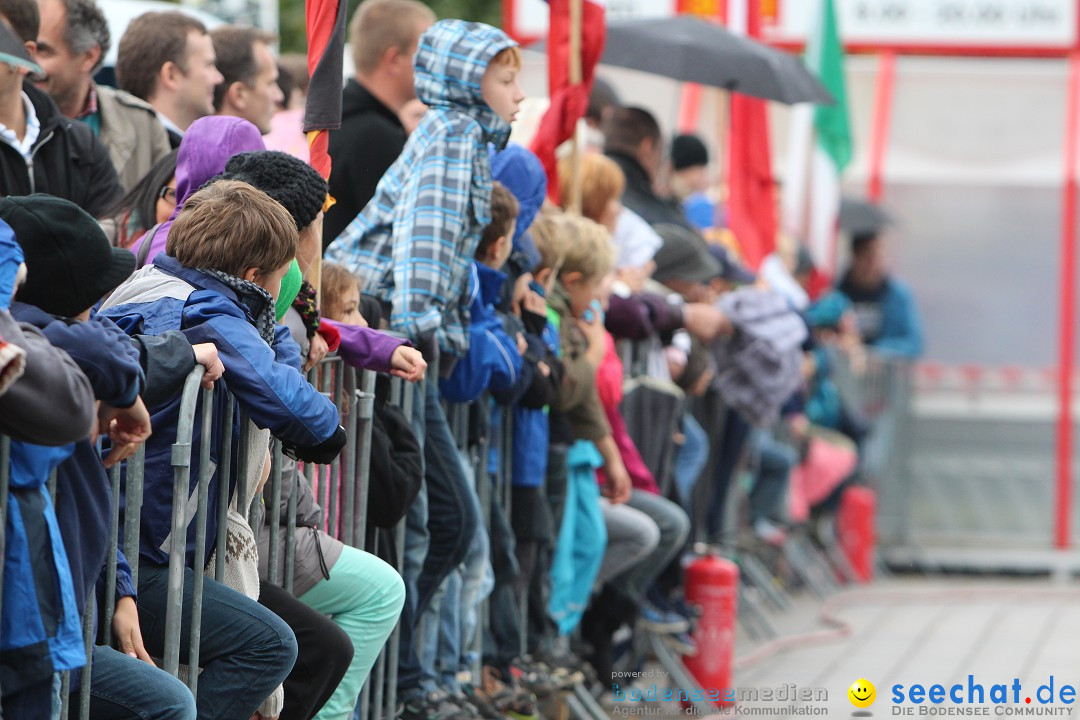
{"type": "Point", "coordinates": [829, 461]}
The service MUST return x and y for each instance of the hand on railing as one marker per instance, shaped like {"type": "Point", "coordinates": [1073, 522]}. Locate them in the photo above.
{"type": "Point", "coordinates": [127, 428]}
{"type": "Point", "coordinates": [126, 630]}
{"type": "Point", "coordinates": [408, 364]}
{"type": "Point", "coordinates": [316, 352]}
{"type": "Point", "coordinates": [206, 354]}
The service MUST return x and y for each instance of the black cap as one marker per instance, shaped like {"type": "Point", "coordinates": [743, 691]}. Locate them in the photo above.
{"type": "Point", "coordinates": [291, 181]}
{"type": "Point", "coordinates": [688, 151]}
{"type": "Point", "coordinates": [70, 264]}
{"type": "Point", "coordinates": [730, 268]}
{"type": "Point", "coordinates": [683, 256]}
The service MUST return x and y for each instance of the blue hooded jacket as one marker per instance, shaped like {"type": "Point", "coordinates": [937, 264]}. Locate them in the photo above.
{"type": "Point", "coordinates": [83, 492]}
{"type": "Point", "coordinates": [263, 379]}
{"type": "Point", "coordinates": [492, 361]}
{"type": "Point", "coordinates": [522, 173]}
{"type": "Point", "coordinates": [412, 245]}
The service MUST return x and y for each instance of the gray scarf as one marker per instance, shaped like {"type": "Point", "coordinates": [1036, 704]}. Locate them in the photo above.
{"type": "Point", "coordinates": [258, 302]}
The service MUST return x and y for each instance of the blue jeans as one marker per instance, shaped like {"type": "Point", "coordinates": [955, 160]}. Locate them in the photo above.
{"type": "Point", "coordinates": [690, 459]}
{"type": "Point", "coordinates": [446, 513]}
{"type": "Point", "coordinates": [773, 462]}
{"type": "Point", "coordinates": [450, 626]}
{"type": "Point", "coordinates": [123, 688]}
{"type": "Point", "coordinates": [674, 528]}
{"type": "Point", "coordinates": [246, 651]}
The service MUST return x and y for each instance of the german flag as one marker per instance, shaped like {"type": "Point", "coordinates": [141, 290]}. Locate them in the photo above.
{"type": "Point", "coordinates": [326, 51]}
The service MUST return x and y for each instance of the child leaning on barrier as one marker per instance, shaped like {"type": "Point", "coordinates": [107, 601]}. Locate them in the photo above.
{"type": "Point", "coordinates": [227, 251]}
{"type": "Point", "coordinates": [70, 265]}
{"type": "Point", "coordinates": [590, 257]}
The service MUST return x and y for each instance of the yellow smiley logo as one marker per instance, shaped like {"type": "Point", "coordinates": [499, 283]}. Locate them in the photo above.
{"type": "Point", "coordinates": [862, 693]}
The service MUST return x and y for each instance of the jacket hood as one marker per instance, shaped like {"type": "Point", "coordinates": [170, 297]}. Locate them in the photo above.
{"type": "Point", "coordinates": [451, 59]}
{"type": "Point", "coordinates": [489, 283]}
{"type": "Point", "coordinates": [356, 99]}
{"type": "Point", "coordinates": [521, 172]}
{"type": "Point", "coordinates": [207, 146]}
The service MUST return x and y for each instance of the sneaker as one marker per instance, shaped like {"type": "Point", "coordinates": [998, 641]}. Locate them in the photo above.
{"type": "Point", "coordinates": [655, 620]}
{"type": "Point", "coordinates": [482, 702]}
{"type": "Point", "coordinates": [685, 609]}
{"type": "Point", "coordinates": [432, 706]}
{"type": "Point", "coordinates": [769, 532]}
{"type": "Point", "coordinates": [511, 700]}
{"type": "Point", "coordinates": [569, 667]}
{"type": "Point", "coordinates": [533, 675]}
{"type": "Point", "coordinates": [682, 643]}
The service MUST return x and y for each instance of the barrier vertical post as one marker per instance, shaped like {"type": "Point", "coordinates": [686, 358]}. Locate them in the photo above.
{"type": "Point", "coordinates": [366, 410]}
{"type": "Point", "coordinates": [181, 463]}
{"type": "Point", "coordinates": [290, 521]}
{"type": "Point", "coordinates": [347, 402]}
{"type": "Point", "coordinates": [407, 398]}
{"type": "Point", "coordinates": [1067, 313]}
{"type": "Point", "coordinates": [133, 497]}
{"type": "Point", "coordinates": [198, 577]}
{"type": "Point", "coordinates": [223, 489]}
{"type": "Point", "coordinates": [275, 511]}
{"type": "Point", "coordinates": [110, 560]}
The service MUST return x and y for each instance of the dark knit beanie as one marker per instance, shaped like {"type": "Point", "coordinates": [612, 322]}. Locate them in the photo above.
{"type": "Point", "coordinates": [688, 151]}
{"type": "Point", "coordinates": [290, 181]}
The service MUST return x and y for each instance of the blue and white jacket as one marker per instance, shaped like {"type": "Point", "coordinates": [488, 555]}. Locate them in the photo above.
{"type": "Point", "coordinates": [263, 379]}
{"type": "Point", "coordinates": [412, 244]}
{"type": "Point", "coordinates": [492, 361]}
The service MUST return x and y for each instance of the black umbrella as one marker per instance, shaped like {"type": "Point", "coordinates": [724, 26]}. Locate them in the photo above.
{"type": "Point", "coordinates": [858, 216]}
{"type": "Point", "coordinates": [693, 50]}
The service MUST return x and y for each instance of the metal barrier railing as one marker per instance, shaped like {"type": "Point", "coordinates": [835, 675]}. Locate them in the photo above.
{"type": "Point", "coordinates": [342, 490]}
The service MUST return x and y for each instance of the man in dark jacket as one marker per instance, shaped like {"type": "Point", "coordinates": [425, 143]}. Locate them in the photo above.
{"type": "Point", "coordinates": [41, 151]}
{"type": "Point", "coordinates": [632, 139]}
{"type": "Point", "coordinates": [383, 34]}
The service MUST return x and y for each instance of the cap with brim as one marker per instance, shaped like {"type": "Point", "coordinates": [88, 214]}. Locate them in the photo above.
{"type": "Point", "coordinates": [70, 263]}
{"type": "Point", "coordinates": [683, 256]}
{"type": "Point", "coordinates": [13, 52]}
{"type": "Point", "coordinates": [730, 269]}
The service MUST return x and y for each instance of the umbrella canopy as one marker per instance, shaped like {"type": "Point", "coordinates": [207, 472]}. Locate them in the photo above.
{"type": "Point", "coordinates": [689, 49]}
{"type": "Point", "coordinates": [858, 216]}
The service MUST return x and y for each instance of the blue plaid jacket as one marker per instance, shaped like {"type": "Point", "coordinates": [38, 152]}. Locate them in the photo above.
{"type": "Point", "coordinates": [412, 245]}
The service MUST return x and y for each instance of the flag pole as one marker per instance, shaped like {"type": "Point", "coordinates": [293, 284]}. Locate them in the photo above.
{"type": "Point", "coordinates": [575, 69]}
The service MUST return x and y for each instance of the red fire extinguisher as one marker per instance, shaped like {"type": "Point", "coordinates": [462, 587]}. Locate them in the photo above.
{"type": "Point", "coordinates": [712, 585]}
{"type": "Point", "coordinates": [855, 528]}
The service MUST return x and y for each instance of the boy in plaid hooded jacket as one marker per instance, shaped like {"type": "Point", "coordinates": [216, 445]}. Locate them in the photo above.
{"type": "Point", "coordinates": [412, 245]}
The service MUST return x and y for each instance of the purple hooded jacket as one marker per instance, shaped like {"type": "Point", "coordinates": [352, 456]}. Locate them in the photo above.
{"type": "Point", "coordinates": [207, 146]}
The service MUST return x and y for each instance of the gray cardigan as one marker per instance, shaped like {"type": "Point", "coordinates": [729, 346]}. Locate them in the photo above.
{"type": "Point", "coordinates": [309, 541]}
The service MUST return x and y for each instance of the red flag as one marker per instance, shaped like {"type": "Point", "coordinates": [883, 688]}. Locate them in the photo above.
{"type": "Point", "coordinates": [751, 205]}
{"type": "Point", "coordinates": [326, 50]}
{"type": "Point", "coordinates": [568, 102]}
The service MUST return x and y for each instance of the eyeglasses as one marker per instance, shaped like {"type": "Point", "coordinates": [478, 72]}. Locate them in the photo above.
{"type": "Point", "coordinates": [168, 194]}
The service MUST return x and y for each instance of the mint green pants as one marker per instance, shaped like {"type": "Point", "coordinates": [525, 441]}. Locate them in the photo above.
{"type": "Point", "coordinates": [364, 597]}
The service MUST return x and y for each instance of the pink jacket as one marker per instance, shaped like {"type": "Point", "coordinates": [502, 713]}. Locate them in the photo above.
{"type": "Point", "coordinates": [609, 384]}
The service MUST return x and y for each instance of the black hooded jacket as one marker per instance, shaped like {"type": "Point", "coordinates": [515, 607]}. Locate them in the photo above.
{"type": "Point", "coordinates": [67, 161]}
{"type": "Point", "coordinates": [369, 141]}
